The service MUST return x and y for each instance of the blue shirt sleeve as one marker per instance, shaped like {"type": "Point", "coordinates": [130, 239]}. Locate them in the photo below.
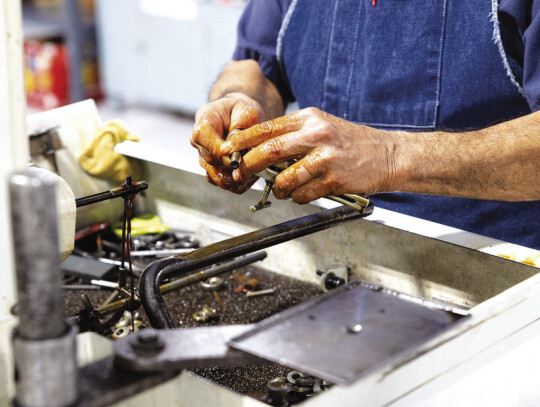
{"type": "Point", "coordinates": [257, 35]}
{"type": "Point", "coordinates": [520, 33]}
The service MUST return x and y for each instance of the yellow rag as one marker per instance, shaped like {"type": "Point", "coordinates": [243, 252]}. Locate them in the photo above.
{"type": "Point", "coordinates": [100, 160]}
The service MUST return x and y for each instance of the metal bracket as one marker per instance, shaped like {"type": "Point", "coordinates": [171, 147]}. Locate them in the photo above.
{"type": "Point", "coordinates": [152, 350]}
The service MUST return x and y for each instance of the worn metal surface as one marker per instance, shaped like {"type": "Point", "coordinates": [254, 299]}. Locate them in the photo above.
{"type": "Point", "coordinates": [345, 334]}
{"type": "Point", "coordinates": [46, 371]}
{"type": "Point", "coordinates": [177, 349]}
{"type": "Point", "coordinates": [102, 383]}
{"type": "Point", "coordinates": [156, 272]}
{"type": "Point", "coordinates": [35, 242]}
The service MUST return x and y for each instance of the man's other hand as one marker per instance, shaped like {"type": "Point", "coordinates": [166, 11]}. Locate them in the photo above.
{"type": "Point", "coordinates": [212, 124]}
{"type": "Point", "coordinates": [333, 156]}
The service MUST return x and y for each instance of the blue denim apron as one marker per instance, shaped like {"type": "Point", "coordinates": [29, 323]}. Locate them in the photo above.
{"type": "Point", "coordinates": [412, 65]}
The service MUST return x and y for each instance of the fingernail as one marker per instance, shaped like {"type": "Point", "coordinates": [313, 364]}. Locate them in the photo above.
{"type": "Point", "coordinates": [225, 147]}
{"type": "Point", "coordinates": [236, 175]}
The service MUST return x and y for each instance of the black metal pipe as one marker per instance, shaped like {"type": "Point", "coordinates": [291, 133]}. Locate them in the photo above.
{"type": "Point", "coordinates": [158, 271]}
{"type": "Point", "coordinates": [121, 191]}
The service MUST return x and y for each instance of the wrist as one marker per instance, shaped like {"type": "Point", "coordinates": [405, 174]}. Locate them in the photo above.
{"type": "Point", "coordinates": [401, 160]}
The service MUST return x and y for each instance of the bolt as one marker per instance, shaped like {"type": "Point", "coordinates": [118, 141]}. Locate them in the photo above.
{"type": "Point", "coordinates": [148, 341]}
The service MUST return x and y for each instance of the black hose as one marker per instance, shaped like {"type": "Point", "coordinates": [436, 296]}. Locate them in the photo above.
{"type": "Point", "coordinates": [158, 271]}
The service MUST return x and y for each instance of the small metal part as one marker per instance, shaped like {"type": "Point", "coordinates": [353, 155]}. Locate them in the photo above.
{"type": "Point", "coordinates": [336, 275]}
{"type": "Point", "coordinates": [263, 202]}
{"type": "Point", "coordinates": [148, 342]}
{"type": "Point", "coordinates": [278, 392]}
{"type": "Point", "coordinates": [205, 314]}
{"type": "Point", "coordinates": [124, 321]}
{"type": "Point", "coordinates": [353, 329]}
{"type": "Point", "coordinates": [236, 157]}
{"type": "Point", "coordinates": [260, 292]}
{"type": "Point", "coordinates": [279, 379]}
{"type": "Point", "coordinates": [219, 301]}
{"type": "Point", "coordinates": [307, 381]}
{"type": "Point", "coordinates": [212, 284]}
{"type": "Point", "coordinates": [120, 332]}
{"type": "Point", "coordinates": [301, 390]}
{"type": "Point", "coordinates": [293, 375]}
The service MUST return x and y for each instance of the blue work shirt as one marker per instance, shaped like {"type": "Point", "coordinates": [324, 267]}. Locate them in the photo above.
{"type": "Point", "coordinates": [409, 65]}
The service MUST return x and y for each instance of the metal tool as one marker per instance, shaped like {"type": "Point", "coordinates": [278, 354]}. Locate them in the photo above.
{"type": "Point", "coordinates": [122, 191]}
{"type": "Point", "coordinates": [354, 201]}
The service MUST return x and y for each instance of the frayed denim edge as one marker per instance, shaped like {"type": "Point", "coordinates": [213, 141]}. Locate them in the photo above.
{"type": "Point", "coordinates": [494, 17]}
{"type": "Point", "coordinates": [282, 30]}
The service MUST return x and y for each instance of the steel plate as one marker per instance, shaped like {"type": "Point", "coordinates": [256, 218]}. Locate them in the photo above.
{"type": "Point", "coordinates": [321, 338]}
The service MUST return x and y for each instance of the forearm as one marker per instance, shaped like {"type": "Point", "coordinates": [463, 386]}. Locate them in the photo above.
{"type": "Point", "coordinates": [501, 162]}
{"type": "Point", "coordinates": [245, 78]}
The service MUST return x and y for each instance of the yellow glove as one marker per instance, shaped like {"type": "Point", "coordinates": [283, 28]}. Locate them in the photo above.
{"type": "Point", "coordinates": [100, 160]}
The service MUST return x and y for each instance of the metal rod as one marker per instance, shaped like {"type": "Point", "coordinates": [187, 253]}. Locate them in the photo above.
{"type": "Point", "coordinates": [35, 241]}
{"type": "Point", "coordinates": [156, 272]}
{"type": "Point", "coordinates": [44, 346]}
{"type": "Point", "coordinates": [120, 192]}
{"type": "Point", "coordinates": [214, 271]}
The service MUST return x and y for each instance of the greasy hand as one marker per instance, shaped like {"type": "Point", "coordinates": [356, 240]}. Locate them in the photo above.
{"type": "Point", "coordinates": [334, 156]}
{"type": "Point", "coordinates": [212, 124]}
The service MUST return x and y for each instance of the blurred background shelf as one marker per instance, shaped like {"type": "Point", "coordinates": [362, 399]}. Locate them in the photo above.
{"type": "Point", "coordinates": [68, 25]}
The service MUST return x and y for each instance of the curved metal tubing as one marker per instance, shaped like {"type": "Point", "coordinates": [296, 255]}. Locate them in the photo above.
{"type": "Point", "coordinates": [158, 271]}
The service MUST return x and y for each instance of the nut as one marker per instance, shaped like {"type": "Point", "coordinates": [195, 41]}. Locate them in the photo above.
{"type": "Point", "coordinates": [212, 284]}
{"type": "Point", "coordinates": [148, 341]}
{"type": "Point", "coordinates": [293, 375]}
